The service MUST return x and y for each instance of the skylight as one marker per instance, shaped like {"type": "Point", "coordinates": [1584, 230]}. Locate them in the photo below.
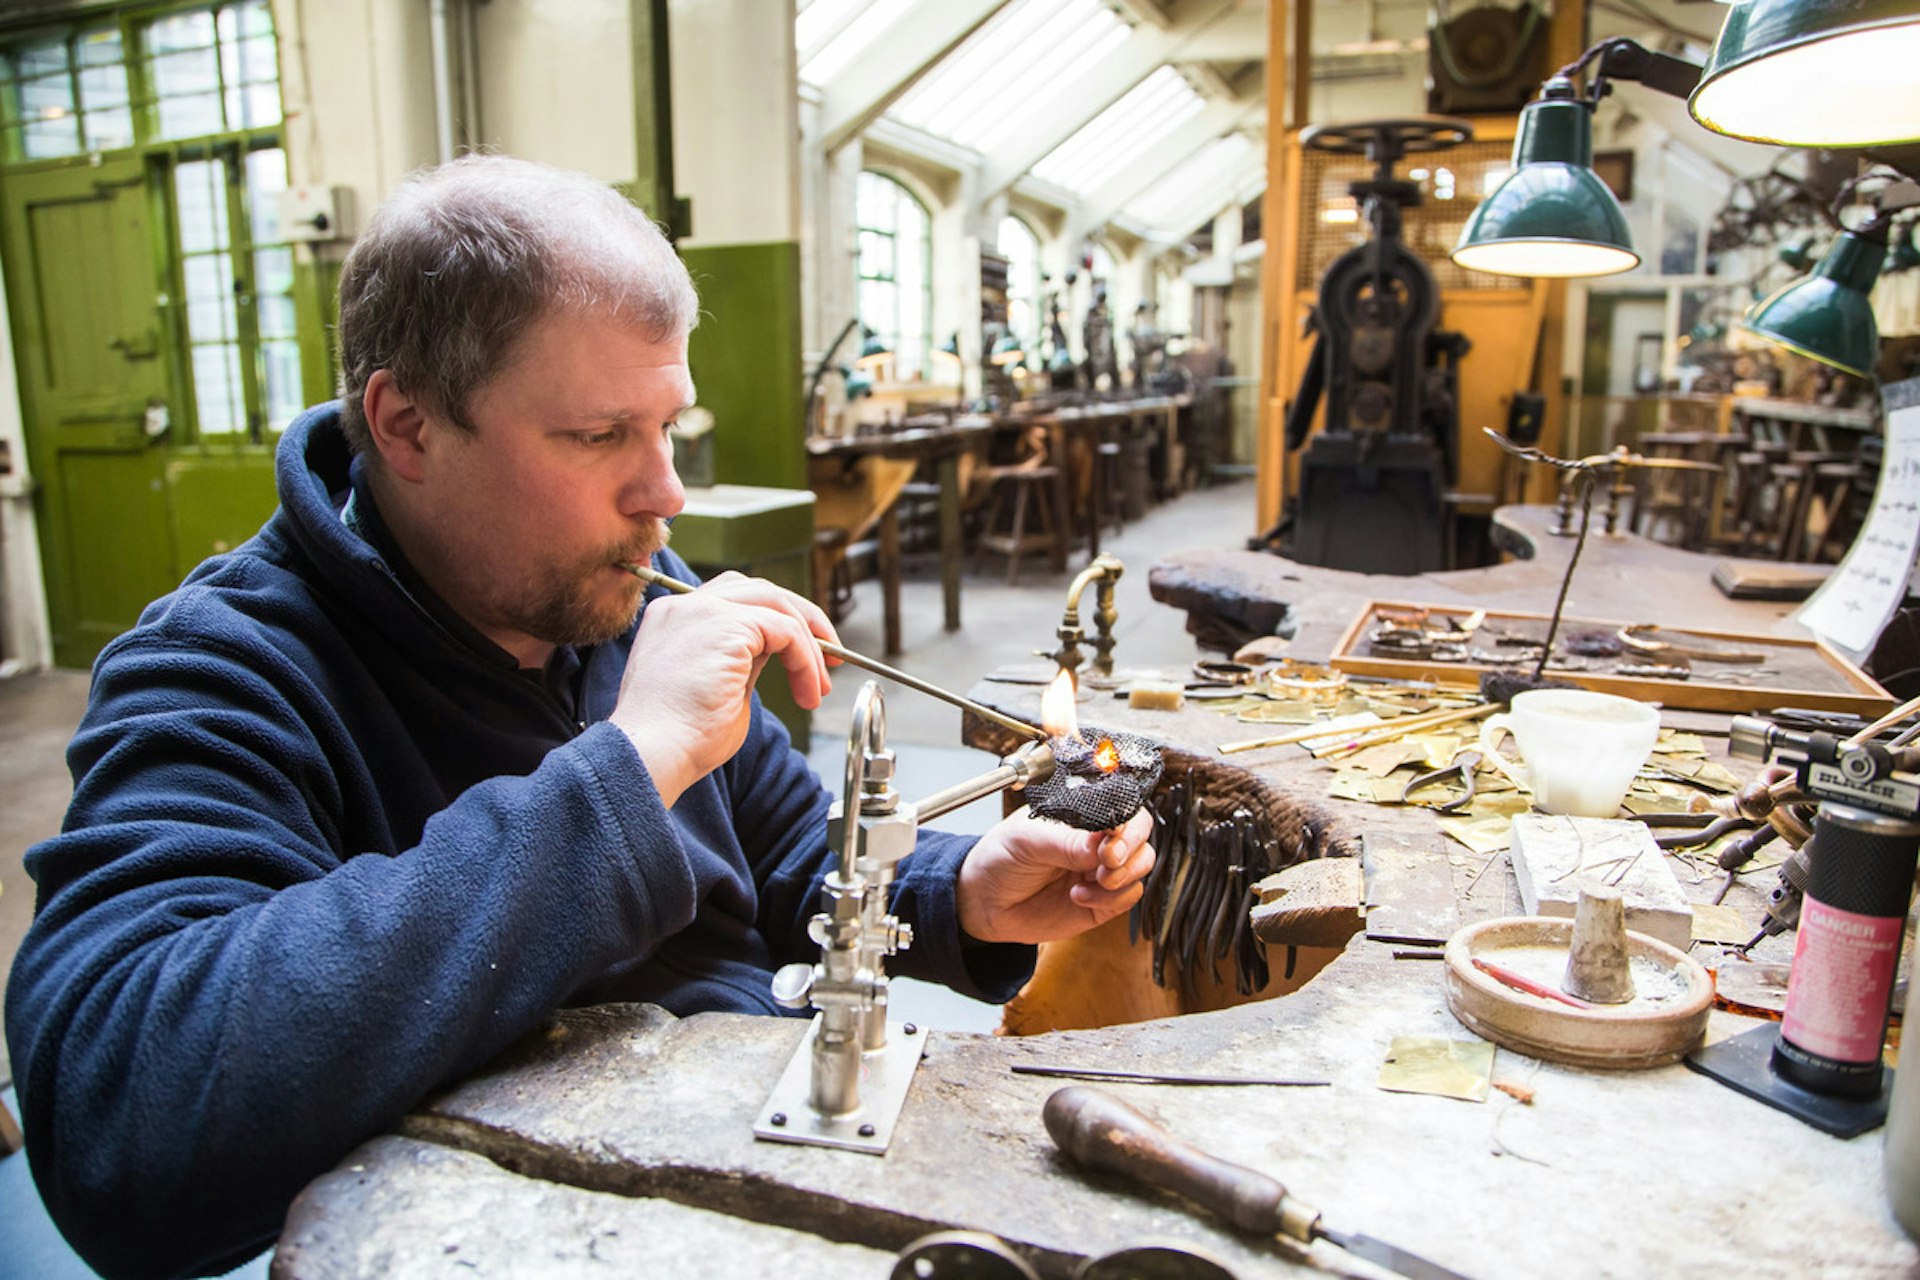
{"type": "Point", "coordinates": [1112, 140]}
{"type": "Point", "coordinates": [1196, 188]}
{"type": "Point", "coordinates": [830, 35]}
{"type": "Point", "coordinates": [1009, 71]}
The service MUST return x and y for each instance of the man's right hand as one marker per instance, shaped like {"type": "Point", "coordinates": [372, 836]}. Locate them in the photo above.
{"type": "Point", "coordinates": [685, 699]}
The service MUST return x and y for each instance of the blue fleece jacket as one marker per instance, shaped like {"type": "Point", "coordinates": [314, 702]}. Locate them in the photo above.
{"type": "Point", "coordinates": [329, 849]}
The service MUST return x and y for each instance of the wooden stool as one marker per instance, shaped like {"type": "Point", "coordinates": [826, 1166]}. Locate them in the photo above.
{"type": "Point", "coordinates": [1015, 491]}
{"type": "Point", "coordinates": [1676, 506]}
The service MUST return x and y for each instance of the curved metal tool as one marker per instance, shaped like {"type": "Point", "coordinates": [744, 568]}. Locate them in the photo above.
{"type": "Point", "coordinates": [1643, 638]}
{"type": "Point", "coordinates": [1463, 763]}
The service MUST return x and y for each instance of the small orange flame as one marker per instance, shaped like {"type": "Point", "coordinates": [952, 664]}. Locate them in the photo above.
{"type": "Point", "coordinates": [1057, 715]}
{"type": "Point", "coordinates": [1106, 756]}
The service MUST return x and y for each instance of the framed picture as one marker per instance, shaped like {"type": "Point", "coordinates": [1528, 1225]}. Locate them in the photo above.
{"type": "Point", "coordinates": [1615, 168]}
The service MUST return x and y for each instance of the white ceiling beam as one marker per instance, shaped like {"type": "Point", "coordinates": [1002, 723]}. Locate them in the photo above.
{"type": "Point", "coordinates": [1213, 200]}
{"type": "Point", "coordinates": [1092, 92]}
{"type": "Point", "coordinates": [1215, 120]}
{"type": "Point", "coordinates": [909, 48]}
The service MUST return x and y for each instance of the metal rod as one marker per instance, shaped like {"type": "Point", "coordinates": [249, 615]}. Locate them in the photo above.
{"type": "Point", "coordinates": [1411, 724]}
{"type": "Point", "coordinates": [1032, 762]}
{"type": "Point", "coordinates": [1397, 729]}
{"type": "Point", "coordinates": [1154, 1077]}
{"type": "Point", "coordinates": [1886, 721]}
{"type": "Point", "coordinates": [658, 579]}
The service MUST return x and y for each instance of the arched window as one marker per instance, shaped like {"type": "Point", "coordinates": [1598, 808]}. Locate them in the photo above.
{"type": "Point", "coordinates": [895, 264]}
{"type": "Point", "coordinates": [1021, 248]}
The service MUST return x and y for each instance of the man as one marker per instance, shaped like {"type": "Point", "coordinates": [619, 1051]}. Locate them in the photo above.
{"type": "Point", "coordinates": [364, 800]}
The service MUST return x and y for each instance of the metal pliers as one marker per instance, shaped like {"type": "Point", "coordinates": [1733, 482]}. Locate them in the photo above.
{"type": "Point", "coordinates": [1463, 763]}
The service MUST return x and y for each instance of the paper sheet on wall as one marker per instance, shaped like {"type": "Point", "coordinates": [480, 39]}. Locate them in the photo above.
{"type": "Point", "coordinates": [1854, 605]}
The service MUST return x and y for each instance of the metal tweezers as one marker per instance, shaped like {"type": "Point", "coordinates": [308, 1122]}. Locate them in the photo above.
{"type": "Point", "coordinates": [1463, 763]}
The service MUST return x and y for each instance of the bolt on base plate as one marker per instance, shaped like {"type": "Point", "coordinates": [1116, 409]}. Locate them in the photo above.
{"type": "Point", "coordinates": [885, 1076]}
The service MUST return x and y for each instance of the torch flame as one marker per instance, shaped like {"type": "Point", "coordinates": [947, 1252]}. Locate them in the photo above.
{"type": "Point", "coordinates": [1106, 756]}
{"type": "Point", "coordinates": [1057, 715]}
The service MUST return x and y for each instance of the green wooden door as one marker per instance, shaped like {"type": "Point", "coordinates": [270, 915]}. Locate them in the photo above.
{"type": "Point", "coordinates": [88, 338]}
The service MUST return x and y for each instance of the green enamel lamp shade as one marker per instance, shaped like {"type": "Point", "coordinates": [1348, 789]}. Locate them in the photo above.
{"type": "Point", "coordinates": [1827, 316]}
{"type": "Point", "coordinates": [1552, 216]}
{"type": "Point", "coordinates": [873, 352]}
{"type": "Point", "coordinates": [1006, 351]}
{"type": "Point", "coordinates": [1814, 73]}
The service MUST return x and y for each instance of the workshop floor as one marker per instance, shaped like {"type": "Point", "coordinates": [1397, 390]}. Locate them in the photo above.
{"type": "Point", "coordinates": [1002, 626]}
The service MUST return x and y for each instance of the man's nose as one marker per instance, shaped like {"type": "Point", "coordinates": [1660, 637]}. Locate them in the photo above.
{"type": "Point", "coordinates": [655, 488]}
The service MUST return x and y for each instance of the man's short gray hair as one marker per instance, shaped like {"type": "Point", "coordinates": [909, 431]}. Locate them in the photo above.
{"type": "Point", "coordinates": [463, 257]}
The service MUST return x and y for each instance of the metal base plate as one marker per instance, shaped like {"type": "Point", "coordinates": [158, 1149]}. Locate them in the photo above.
{"type": "Point", "coordinates": [1745, 1063]}
{"type": "Point", "coordinates": [885, 1075]}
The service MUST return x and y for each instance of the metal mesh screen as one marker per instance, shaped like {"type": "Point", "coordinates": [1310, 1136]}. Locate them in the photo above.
{"type": "Point", "coordinates": [1080, 794]}
{"type": "Point", "coordinates": [1431, 230]}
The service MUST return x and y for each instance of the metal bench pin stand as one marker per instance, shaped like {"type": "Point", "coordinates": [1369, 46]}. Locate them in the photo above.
{"type": "Point", "coordinates": [848, 1079]}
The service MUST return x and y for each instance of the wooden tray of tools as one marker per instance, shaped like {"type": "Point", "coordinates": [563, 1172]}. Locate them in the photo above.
{"type": "Point", "coordinates": [1789, 673]}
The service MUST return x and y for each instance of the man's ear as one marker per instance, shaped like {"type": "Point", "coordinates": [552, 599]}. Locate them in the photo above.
{"type": "Point", "coordinates": [398, 424]}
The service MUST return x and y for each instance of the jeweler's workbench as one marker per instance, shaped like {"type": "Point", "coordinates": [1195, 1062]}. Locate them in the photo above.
{"type": "Point", "coordinates": [620, 1140]}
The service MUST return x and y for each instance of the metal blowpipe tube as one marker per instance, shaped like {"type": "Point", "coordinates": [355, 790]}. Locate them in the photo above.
{"type": "Point", "coordinates": [648, 574]}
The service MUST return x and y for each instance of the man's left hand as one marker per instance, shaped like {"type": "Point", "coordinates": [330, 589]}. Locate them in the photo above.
{"type": "Point", "coordinates": [1030, 880]}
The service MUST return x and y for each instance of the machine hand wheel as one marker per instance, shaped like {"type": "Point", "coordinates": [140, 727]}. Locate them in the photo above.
{"type": "Point", "coordinates": [1387, 140]}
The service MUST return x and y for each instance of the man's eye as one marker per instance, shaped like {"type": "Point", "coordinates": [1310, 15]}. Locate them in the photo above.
{"type": "Point", "coordinates": [596, 439]}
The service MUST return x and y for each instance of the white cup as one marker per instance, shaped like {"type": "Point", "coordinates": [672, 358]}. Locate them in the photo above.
{"type": "Point", "coordinates": [1581, 748]}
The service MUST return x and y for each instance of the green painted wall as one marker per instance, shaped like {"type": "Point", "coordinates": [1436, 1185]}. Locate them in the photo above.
{"type": "Point", "coordinates": [745, 358]}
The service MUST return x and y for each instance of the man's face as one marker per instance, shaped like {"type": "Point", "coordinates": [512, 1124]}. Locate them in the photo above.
{"type": "Point", "coordinates": [568, 472]}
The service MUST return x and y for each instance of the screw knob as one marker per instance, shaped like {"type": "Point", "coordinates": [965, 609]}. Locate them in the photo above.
{"type": "Point", "coordinates": [793, 986]}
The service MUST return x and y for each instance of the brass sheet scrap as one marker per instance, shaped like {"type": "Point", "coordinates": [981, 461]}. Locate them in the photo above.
{"type": "Point", "coordinates": [1460, 1069]}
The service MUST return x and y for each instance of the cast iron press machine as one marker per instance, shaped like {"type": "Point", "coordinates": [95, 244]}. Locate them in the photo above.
{"type": "Point", "coordinates": [1372, 486]}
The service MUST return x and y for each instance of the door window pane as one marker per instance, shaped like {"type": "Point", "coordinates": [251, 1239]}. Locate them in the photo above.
{"type": "Point", "coordinates": [213, 311]}
{"type": "Point", "coordinates": [216, 389]}
{"type": "Point", "coordinates": [279, 351]}
{"type": "Point", "coordinates": [281, 363]}
{"type": "Point", "coordinates": [109, 130]}
{"type": "Point", "coordinates": [211, 316]}
{"type": "Point", "coordinates": [105, 104]}
{"type": "Point", "coordinates": [47, 111]}
{"type": "Point", "coordinates": [46, 57]}
{"type": "Point", "coordinates": [266, 179]}
{"type": "Point", "coordinates": [39, 82]}
{"type": "Point", "coordinates": [181, 31]}
{"type": "Point", "coordinates": [200, 190]}
{"type": "Point", "coordinates": [214, 70]}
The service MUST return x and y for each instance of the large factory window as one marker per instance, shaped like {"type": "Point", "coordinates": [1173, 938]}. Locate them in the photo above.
{"type": "Point", "coordinates": [895, 261]}
{"type": "Point", "coordinates": [1021, 248]}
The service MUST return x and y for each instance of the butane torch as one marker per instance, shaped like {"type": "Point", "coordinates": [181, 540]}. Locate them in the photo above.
{"type": "Point", "coordinates": [1855, 876]}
